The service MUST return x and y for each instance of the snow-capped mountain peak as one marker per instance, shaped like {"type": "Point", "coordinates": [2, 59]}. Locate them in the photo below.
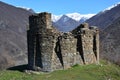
{"type": "Point", "coordinates": [109, 8]}
{"type": "Point", "coordinates": [75, 16]}
{"type": "Point", "coordinates": [56, 17]}
{"type": "Point", "coordinates": [25, 8]}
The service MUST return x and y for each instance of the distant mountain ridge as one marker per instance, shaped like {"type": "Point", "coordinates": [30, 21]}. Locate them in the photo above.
{"type": "Point", "coordinates": [69, 21]}
{"type": "Point", "coordinates": [65, 24]}
{"type": "Point", "coordinates": [74, 16]}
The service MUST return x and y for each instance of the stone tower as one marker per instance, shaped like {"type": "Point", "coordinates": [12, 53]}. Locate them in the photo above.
{"type": "Point", "coordinates": [49, 49]}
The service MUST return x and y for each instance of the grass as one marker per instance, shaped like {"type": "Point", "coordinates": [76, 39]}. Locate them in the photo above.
{"type": "Point", "coordinates": [105, 71]}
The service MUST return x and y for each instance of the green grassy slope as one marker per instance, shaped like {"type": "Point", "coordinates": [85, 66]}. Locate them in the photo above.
{"type": "Point", "coordinates": [105, 71]}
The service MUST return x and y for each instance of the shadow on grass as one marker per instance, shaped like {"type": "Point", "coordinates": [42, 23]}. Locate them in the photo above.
{"type": "Point", "coordinates": [20, 68]}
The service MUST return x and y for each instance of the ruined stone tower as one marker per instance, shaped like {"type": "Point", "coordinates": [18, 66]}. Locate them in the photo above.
{"type": "Point", "coordinates": [49, 49]}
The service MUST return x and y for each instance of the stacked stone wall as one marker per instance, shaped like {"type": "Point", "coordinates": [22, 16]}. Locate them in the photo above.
{"type": "Point", "coordinates": [87, 45]}
{"type": "Point", "coordinates": [68, 49]}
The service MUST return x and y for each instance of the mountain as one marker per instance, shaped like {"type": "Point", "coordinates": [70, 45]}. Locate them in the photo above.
{"type": "Point", "coordinates": [65, 24]}
{"type": "Point", "coordinates": [27, 9]}
{"type": "Point", "coordinates": [78, 17]}
{"type": "Point", "coordinates": [69, 21]}
{"type": "Point", "coordinates": [13, 44]}
{"type": "Point", "coordinates": [108, 22]}
{"type": "Point", "coordinates": [105, 17]}
{"type": "Point", "coordinates": [55, 18]}
{"type": "Point", "coordinates": [110, 40]}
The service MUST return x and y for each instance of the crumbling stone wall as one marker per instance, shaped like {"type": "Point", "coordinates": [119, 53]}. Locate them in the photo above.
{"type": "Point", "coordinates": [49, 49]}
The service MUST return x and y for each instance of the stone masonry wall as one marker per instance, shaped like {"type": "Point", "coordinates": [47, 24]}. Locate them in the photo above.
{"type": "Point", "coordinates": [87, 46]}
{"type": "Point", "coordinates": [49, 49]}
{"type": "Point", "coordinates": [68, 50]}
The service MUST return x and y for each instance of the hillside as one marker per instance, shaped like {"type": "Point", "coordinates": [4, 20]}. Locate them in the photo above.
{"type": "Point", "coordinates": [13, 46]}
{"type": "Point", "coordinates": [110, 40]}
{"type": "Point", "coordinates": [105, 71]}
{"type": "Point", "coordinates": [105, 17]}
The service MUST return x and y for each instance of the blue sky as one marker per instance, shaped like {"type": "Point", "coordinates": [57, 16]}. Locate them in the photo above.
{"type": "Point", "coordinates": [59, 7]}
